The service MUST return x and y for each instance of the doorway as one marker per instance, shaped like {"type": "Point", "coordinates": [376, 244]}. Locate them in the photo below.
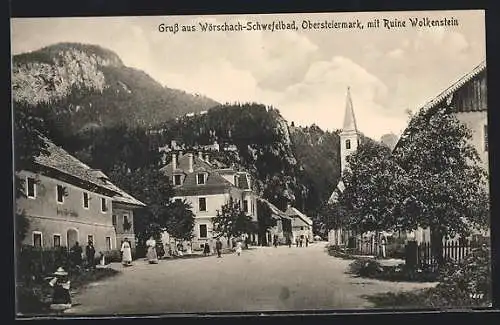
{"type": "Point", "coordinates": [72, 237]}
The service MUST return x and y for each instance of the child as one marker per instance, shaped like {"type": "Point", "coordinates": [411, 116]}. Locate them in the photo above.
{"type": "Point", "coordinates": [61, 284]}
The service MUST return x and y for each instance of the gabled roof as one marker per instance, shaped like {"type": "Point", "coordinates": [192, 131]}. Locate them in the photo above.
{"type": "Point", "coordinates": [447, 95]}
{"type": "Point", "coordinates": [456, 86]}
{"type": "Point", "coordinates": [277, 213]}
{"type": "Point", "coordinates": [293, 212]}
{"type": "Point", "coordinates": [61, 161]}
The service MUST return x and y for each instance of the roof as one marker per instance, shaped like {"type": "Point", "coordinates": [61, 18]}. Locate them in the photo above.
{"type": "Point", "coordinates": [293, 212]}
{"type": "Point", "coordinates": [456, 86]}
{"type": "Point", "coordinates": [349, 118]}
{"type": "Point", "coordinates": [275, 210]}
{"type": "Point", "coordinates": [214, 182]}
{"type": "Point", "coordinates": [60, 160]}
{"type": "Point", "coordinates": [447, 95]}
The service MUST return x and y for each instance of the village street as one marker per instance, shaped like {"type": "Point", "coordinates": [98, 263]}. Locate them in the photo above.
{"type": "Point", "coordinates": [261, 279]}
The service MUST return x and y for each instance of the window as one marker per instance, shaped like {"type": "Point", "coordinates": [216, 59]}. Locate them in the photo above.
{"type": "Point", "coordinates": [85, 200]}
{"type": "Point", "coordinates": [60, 194]}
{"type": "Point", "coordinates": [348, 144]}
{"type": "Point", "coordinates": [90, 238]}
{"type": "Point", "coordinates": [57, 240]}
{"type": "Point", "coordinates": [200, 178]}
{"type": "Point", "coordinates": [203, 231]}
{"type": "Point", "coordinates": [245, 205]}
{"type": "Point", "coordinates": [31, 187]}
{"type": "Point", "coordinates": [202, 203]}
{"type": "Point", "coordinates": [108, 243]}
{"type": "Point", "coordinates": [126, 223]}
{"type": "Point", "coordinates": [301, 228]}
{"type": "Point", "coordinates": [485, 138]}
{"type": "Point", "coordinates": [37, 239]}
{"type": "Point", "coordinates": [104, 205]}
{"type": "Point", "coordinates": [177, 180]}
{"type": "Point", "coordinates": [113, 219]}
{"type": "Point", "coordinates": [178, 200]}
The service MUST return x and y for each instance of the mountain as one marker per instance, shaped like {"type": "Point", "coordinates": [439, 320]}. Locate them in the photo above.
{"type": "Point", "coordinates": [84, 86]}
{"type": "Point", "coordinates": [390, 140]}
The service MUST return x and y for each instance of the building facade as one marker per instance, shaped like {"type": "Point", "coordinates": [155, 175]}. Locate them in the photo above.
{"type": "Point", "coordinates": [283, 229]}
{"type": "Point", "coordinates": [301, 224]}
{"type": "Point", "coordinates": [207, 188]}
{"type": "Point", "coordinates": [67, 202]}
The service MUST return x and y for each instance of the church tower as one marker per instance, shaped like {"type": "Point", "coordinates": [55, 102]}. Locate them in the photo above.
{"type": "Point", "coordinates": [349, 136]}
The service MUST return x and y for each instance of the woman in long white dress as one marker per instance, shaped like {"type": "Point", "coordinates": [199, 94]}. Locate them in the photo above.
{"type": "Point", "coordinates": [126, 253]}
{"type": "Point", "coordinates": [152, 255]}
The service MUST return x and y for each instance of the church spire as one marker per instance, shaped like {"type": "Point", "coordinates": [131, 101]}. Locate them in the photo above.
{"type": "Point", "coordinates": [349, 118]}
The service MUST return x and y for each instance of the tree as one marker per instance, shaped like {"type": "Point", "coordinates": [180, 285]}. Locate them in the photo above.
{"type": "Point", "coordinates": [374, 186]}
{"type": "Point", "coordinates": [231, 221]}
{"type": "Point", "coordinates": [151, 187]}
{"type": "Point", "coordinates": [446, 188]}
{"type": "Point", "coordinates": [180, 223]}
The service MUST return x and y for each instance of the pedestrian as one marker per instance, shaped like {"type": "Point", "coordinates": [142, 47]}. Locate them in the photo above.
{"type": "Point", "coordinates": [206, 249]}
{"type": "Point", "coordinates": [121, 253]}
{"type": "Point", "coordinates": [289, 242]}
{"type": "Point", "coordinates": [61, 298]}
{"type": "Point", "coordinates": [180, 249]}
{"type": "Point", "coordinates": [307, 241]}
{"type": "Point", "coordinates": [275, 241]}
{"type": "Point", "coordinates": [218, 247]}
{"type": "Point", "coordinates": [76, 255]}
{"type": "Point", "coordinates": [151, 255]}
{"type": "Point", "coordinates": [238, 248]}
{"type": "Point", "coordinates": [126, 253]}
{"type": "Point", "coordinates": [297, 242]}
{"type": "Point", "coordinates": [247, 242]}
{"type": "Point", "coordinates": [300, 240]}
{"type": "Point", "coordinates": [90, 255]}
{"type": "Point", "coordinates": [383, 245]}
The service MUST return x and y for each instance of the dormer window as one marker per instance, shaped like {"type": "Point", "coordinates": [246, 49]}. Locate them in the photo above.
{"type": "Point", "coordinates": [177, 180]}
{"type": "Point", "coordinates": [200, 179]}
{"type": "Point", "coordinates": [348, 144]}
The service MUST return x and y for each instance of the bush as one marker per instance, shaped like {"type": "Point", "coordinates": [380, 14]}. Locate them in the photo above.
{"type": "Point", "coordinates": [341, 252]}
{"type": "Point", "coordinates": [467, 283]}
{"type": "Point", "coordinates": [462, 285]}
{"type": "Point", "coordinates": [370, 268]}
{"type": "Point", "coordinates": [365, 268]}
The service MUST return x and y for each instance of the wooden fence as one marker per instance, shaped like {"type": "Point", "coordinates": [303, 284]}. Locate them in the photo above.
{"type": "Point", "coordinates": [452, 250]}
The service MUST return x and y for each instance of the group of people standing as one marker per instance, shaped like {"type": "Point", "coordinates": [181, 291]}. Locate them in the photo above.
{"type": "Point", "coordinates": [76, 255]}
{"type": "Point", "coordinates": [299, 241]}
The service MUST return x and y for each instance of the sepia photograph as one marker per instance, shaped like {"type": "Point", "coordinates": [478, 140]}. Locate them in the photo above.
{"type": "Point", "coordinates": [250, 163]}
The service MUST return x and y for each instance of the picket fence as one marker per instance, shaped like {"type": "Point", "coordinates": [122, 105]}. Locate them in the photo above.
{"type": "Point", "coordinates": [452, 250]}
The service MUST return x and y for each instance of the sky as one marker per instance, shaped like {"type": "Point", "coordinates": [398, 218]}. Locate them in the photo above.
{"type": "Point", "coordinates": [303, 73]}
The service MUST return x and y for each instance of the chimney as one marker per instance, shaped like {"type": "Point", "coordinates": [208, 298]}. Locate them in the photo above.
{"type": "Point", "coordinates": [200, 155]}
{"type": "Point", "coordinates": [174, 161]}
{"type": "Point", "coordinates": [180, 153]}
{"type": "Point", "coordinates": [207, 158]}
{"type": "Point", "coordinates": [190, 162]}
